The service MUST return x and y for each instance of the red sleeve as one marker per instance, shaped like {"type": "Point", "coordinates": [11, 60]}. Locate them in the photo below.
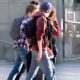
{"type": "Point", "coordinates": [41, 25]}
{"type": "Point", "coordinates": [56, 31]}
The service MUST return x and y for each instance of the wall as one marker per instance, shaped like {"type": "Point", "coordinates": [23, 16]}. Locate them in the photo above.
{"type": "Point", "coordinates": [9, 10]}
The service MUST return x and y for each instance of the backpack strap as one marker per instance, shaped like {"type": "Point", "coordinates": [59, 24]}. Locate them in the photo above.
{"type": "Point", "coordinates": [49, 30]}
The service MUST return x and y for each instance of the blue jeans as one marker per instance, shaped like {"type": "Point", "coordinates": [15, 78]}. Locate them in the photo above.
{"type": "Point", "coordinates": [21, 59]}
{"type": "Point", "coordinates": [45, 65]}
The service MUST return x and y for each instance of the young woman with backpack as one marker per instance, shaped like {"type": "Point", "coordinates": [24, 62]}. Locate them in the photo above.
{"type": "Point", "coordinates": [56, 33]}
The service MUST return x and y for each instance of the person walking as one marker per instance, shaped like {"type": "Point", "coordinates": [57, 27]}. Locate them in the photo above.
{"type": "Point", "coordinates": [40, 54]}
{"type": "Point", "coordinates": [20, 45]}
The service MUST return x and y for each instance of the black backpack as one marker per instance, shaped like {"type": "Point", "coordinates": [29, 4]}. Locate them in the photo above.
{"type": "Point", "coordinates": [15, 28]}
{"type": "Point", "coordinates": [49, 30]}
{"type": "Point", "coordinates": [30, 30]}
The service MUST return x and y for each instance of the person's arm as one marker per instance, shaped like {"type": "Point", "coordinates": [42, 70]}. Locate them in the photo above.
{"type": "Point", "coordinates": [39, 43]}
{"type": "Point", "coordinates": [50, 53]}
{"type": "Point", "coordinates": [56, 31]}
{"type": "Point", "coordinates": [56, 27]}
{"type": "Point", "coordinates": [41, 24]}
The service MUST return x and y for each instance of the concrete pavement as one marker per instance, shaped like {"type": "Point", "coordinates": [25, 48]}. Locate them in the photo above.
{"type": "Point", "coordinates": [68, 71]}
{"type": "Point", "coordinates": [64, 71]}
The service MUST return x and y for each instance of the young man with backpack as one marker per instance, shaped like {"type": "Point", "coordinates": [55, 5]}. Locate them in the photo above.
{"type": "Point", "coordinates": [20, 45]}
{"type": "Point", "coordinates": [39, 41]}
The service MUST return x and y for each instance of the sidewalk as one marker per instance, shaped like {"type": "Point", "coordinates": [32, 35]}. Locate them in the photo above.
{"type": "Point", "coordinates": [68, 71]}
{"type": "Point", "coordinates": [64, 71]}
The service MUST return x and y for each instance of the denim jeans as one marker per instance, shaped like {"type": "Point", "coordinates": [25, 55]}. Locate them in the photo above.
{"type": "Point", "coordinates": [45, 65]}
{"type": "Point", "coordinates": [21, 59]}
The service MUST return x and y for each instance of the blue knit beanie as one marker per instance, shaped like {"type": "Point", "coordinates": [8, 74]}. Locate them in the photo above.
{"type": "Point", "coordinates": [46, 6]}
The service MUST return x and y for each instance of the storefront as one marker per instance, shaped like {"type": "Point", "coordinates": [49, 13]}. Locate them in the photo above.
{"type": "Point", "coordinates": [71, 29]}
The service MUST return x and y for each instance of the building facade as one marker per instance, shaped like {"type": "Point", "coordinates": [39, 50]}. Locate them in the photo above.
{"type": "Point", "coordinates": [9, 10]}
{"type": "Point", "coordinates": [67, 15]}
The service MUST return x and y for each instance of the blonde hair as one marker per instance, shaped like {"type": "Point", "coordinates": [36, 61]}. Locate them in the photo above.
{"type": "Point", "coordinates": [53, 11]}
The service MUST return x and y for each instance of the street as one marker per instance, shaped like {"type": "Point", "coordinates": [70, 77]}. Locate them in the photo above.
{"type": "Point", "coordinates": [64, 71]}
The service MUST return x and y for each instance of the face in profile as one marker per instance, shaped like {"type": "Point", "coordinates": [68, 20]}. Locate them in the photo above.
{"type": "Point", "coordinates": [36, 10]}
{"type": "Point", "coordinates": [53, 17]}
{"type": "Point", "coordinates": [48, 13]}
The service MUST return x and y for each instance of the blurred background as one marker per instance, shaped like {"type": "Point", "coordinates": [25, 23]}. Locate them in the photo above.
{"type": "Point", "coordinates": [68, 16]}
{"type": "Point", "coordinates": [9, 10]}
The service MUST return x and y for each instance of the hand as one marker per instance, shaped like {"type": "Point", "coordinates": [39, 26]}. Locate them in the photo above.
{"type": "Point", "coordinates": [50, 53]}
{"type": "Point", "coordinates": [39, 57]}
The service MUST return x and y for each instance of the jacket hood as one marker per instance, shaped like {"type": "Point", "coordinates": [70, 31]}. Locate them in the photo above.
{"type": "Point", "coordinates": [38, 14]}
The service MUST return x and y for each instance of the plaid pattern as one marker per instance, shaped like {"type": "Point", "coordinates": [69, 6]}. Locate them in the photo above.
{"type": "Point", "coordinates": [21, 41]}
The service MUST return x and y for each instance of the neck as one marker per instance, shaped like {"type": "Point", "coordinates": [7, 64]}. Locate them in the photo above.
{"type": "Point", "coordinates": [43, 13]}
{"type": "Point", "coordinates": [29, 15]}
